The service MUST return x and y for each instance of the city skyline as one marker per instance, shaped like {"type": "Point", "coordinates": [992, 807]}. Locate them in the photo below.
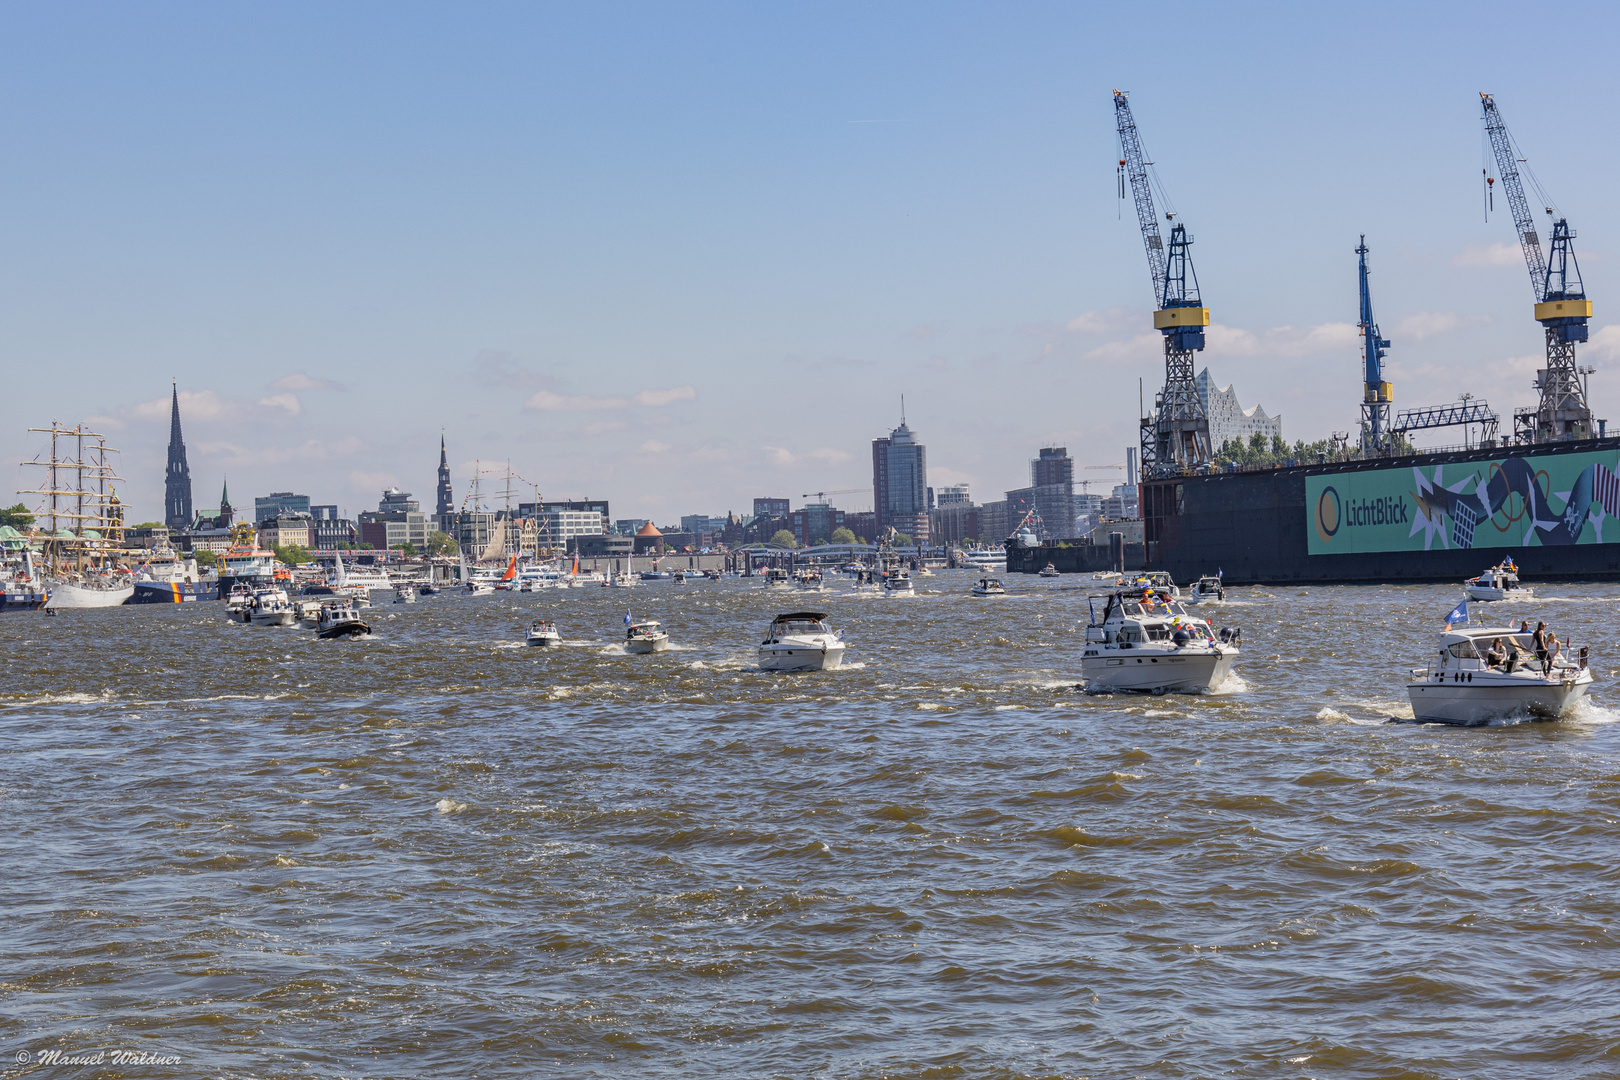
{"type": "Point", "coordinates": [634, 282]}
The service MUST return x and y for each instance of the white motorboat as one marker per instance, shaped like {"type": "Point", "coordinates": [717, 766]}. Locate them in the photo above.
{"type": "Point", "coordinates": [1145, 641]}
{"type": "Point", "coordinates": [1157, 581]}
{"type": "Point", "coordinates": [1466, 687]}
{"type": "Point", "coordinates": [775, 578]}
{"type": "Point", "coordinates": [898, 582]}
{"type": "Point", "coordinates": [1206, 590]}
{"type": "Point", "coordinates": [866, 581]}
{"type": "Point", "coordinates": [241, 593]}
{"type": "Point", "coordinates": [542, 633]}
{"type": "Point", "coordinates": [811, 580]}
{"type": "Point", "coordinates": [307, 612]}
{"type": "Point", "coordinates": [646, 636]}
{"type": "Point", "coordinates": [269, 606]}
{"type": "Point", "coordinates": [1050, 571]}
{"type": "Point", "coordinates": [801, 641]}
{"type": "Point", "coordinates": [988, 586]}
{"type": "Point", "coordinates": [404, 594]}
{"type": "Point", "coordinates": [1498, 583]}
{"type": "Point", "coordinates": [337, 619]}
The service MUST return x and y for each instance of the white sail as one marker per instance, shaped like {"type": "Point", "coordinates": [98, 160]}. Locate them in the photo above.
{"type": "Point", "coordinates": [342, 575]}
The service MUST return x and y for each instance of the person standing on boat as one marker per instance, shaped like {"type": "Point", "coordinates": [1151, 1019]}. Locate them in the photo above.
{"type": "Point", "coordinates": [1543, 654]}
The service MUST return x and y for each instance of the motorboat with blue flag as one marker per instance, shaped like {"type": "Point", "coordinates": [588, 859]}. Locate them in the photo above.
{"type": "Point", "coordinates": [1488, 673]}
{"type": "Point", "coordinates": [1146, 641]}
{"type": "Point", "coordinates": [645, 636]}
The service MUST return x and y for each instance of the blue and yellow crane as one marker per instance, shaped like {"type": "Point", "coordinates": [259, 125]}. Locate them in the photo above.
{"type": "Point", "coordinates": [1561, 304]}
{"type": "Point", "coordinates": [1379, 395]}
{"type": "Point", "coordinates": [1175, 438]}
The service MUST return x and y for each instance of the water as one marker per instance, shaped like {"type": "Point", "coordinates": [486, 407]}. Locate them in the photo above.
{"type": "Point", "coordinates": [436, 852]}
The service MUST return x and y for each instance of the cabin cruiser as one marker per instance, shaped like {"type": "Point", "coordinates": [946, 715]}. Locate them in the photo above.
{"type": "Point", "coordinates": [1158, 581]}
{"type": "Point", "coordinates": [1206, 590]}
{"type": "Point", "coordinates": [1146, 641]}
{"type": "Point", "coordinates": [337, 619]}
{"type": "Point", "coordinates": [1498, 583]}
{"type": "Point", "coordinates": [543, 633]}
{"type": "Point", "coordinates": [801, 641]}
{"type": "Point", "coordinates": [776, 577]}
{"type": "Point", "coordinates": [646, 636]}
{"type": "Point", "coordinates": [866, 581]}
{"type": "Point", "coordinates": [1050, 571]}
{"type": "Point", "coordinates": [404, 594]}
{"type": "Point", "coordinates": [240, 594]}
{"type": "Point", "coordinates": [307, 612]}
{"type": "Point", "coordinates": [268, 606]}
{"type": "Point", "coordinates": [988, 586]}
{"type": "Point", "coordinates": [811, 580]}
{"type": "Point", "coordinates": [1467, 687]}
{"type": "Point", "coordinates": [898, 582]}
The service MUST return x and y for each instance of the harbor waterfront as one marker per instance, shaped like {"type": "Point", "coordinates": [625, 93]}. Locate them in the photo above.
{"type": "Point", "coordinates": [436, 851]}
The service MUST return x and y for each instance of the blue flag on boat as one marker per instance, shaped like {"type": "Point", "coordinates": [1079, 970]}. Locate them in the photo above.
{"type": "Point", "coordinates": [627, 618]}
{"type": "Point", "coordinates": [1458, 614]}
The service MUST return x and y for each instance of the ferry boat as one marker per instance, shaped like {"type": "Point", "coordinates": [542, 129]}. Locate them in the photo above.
{"type": "Point", "coordinates": [646, 636]}
{"type": "Point", "coordinates": [801, 641]}
{"type": "Point", "coordinates": [1145, 641]}
{"type": "Point", "coordinates": [987, 561]}
{"type": "Point", "coordinates": [1466, 688]}
{"type": "Point", "coordinates": [1498, 583]}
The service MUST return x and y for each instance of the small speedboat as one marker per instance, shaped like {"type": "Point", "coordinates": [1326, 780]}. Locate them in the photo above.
{"type": "Point", "coordinates": [645, 637]}
{"type": "Point", "coordinates": [1469, 685]}
{"type": "Point", "coordinates": [1206, 590]}
{"type": "Point", "coordinates": [404, 594]}
{"type": "Point", "coordinates": [866, 581]}
{"type": "Point", "coordinates": [811, 580]}
{"type": "Point", "coordinates": [1145, 641]}
{"type": "Point", "coordinates": [1500, 582]}
{"type": "Point", "coordinates": [478, 588]}
{"type": "Point", "coordinates": [988, 586]}
{"type": "Point", "coordinates": [801, 641]}
{"type": "Point", "coordinates": [1049, 571]}
{"type": "Point", "coordinates": [543, 633]}
{"type": "Point", "coordinates": [338, 619]}
{"type": "Point", "coordinates": [776, 578]}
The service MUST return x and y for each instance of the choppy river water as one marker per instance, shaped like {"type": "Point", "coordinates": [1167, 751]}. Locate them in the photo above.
{"type": "Point", "coordinates": [436, 852]}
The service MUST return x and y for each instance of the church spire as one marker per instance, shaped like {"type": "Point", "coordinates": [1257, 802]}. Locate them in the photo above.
{"type": "Point", "coordinates": [446, 504]}
{"type": "Point", "coordinates": [177, 478]}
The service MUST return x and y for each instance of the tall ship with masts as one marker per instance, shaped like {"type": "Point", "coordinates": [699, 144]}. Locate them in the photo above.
{"type": "Point", "coordinates": [78, 527]}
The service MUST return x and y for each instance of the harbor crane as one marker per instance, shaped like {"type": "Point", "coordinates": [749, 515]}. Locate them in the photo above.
{"type": "Point", "coordinates": [1561, 304]}
{"type": "Point", "coordinates": [1175, 438]}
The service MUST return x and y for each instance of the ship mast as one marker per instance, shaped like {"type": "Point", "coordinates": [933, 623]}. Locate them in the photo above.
{"type": "Point", "coordinates": [89, 501]}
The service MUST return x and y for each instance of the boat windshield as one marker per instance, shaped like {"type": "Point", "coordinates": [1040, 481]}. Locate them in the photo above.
{"type": "Point", "coordinates": [798, 626]}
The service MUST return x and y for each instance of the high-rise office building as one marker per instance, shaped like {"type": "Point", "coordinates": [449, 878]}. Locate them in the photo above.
{"type": "Point", "coordinates": [900, 483]}
{"type": "Point", "coordinates": [1052, 481]}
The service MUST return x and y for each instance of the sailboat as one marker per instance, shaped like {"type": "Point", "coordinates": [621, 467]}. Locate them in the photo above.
{"type": "Point", "coordinates": [504, 582]}
{"type": "Point", "coordinates": [85, 530]}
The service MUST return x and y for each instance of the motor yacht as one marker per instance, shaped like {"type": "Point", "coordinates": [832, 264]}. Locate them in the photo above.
{"type": "Point", "coordinates": [1464, 687]}
{"type": "Point", "coordinates": [307, 612]}
{"type": "Point", "coordinates": [542, 633]}
{"type": "Point", "coordinates": [811, 580]}
{"type": "Point", "coordinates": [404, 594]}
{"type": "Point", "coordinates": [1049, 571]}
{"type": "Point", "coordinates": [1206, 590]}
{"type": "Point", "coordinates": [1156, 580]}
{"type": "Point", "coordinates": [268, 606]}
{"type": "Point", "coordinates": [776, 578]}
{"type": "Point", "coordinates": [866, 581]}
{"type": "Point", "coordinates": [1145, 641]}
{"type": "Point", "coordinates": [801, 641]}
{"type": "Point", "coordinates": [1500, 582]}
{"type": "Point", "coordinates": [988, 586]}
{"type": "Point", "coordinates": [646, 636]}
{"type": "Point", "coordinates": [338, 618]}
{"type": "Point", "coordinates": [898, 582]}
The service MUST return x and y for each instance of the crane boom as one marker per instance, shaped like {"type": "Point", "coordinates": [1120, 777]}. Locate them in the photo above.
{"type": "Point", "coordinates": [1376, 402]}
{"type": "Point", "coordinates": [1130, 144]}
{"type": "Point", "coordinates": [1523, 222]}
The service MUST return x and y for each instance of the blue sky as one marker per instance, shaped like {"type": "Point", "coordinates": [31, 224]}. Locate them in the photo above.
{"type": "Point", "coordinates": [680, 255]}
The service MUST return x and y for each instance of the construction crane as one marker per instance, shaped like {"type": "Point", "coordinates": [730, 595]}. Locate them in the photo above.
{"type": "Point", "coordinates": [1376, 402]}
{"type": "Point", "coordinates": [1176, 437]}
{"type": "Point", "coordinates": [821, 496]}
{"type": "Point", "coordinates": [1561, 304]}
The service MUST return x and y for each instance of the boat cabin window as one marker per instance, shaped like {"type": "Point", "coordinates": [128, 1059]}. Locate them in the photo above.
{"type": "Point", "coordinates": [1464, 650]}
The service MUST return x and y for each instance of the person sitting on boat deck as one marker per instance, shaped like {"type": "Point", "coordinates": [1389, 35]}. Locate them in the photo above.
{"type": "Point", "coordinates": [1496, 656]}
{"type": "Point", "coordinates": [1539, 640]}
{"type": "Point", "coordinates": [1556, 654]}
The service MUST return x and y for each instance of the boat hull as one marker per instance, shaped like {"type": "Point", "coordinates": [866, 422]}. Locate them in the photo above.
{"type": "Point", "coordinates": [1476, 703]}
{"type": "Point", "coordinates": [77, 596]}
{"type": "Point", "coordinates": [800, 657]}
{"type": "Point", "coordinates": [273, 618]}
{"type": "Point", "coordinates": [1186, 671]}
{"type": "Point", "coordinates": [173, 592]}
{"type": "Point", "coordinates": [544, 641]}
{"type": "Point", "coordinates": [644, 646]}
{"type": "Point", "coordinates": [353, 628]}
{"type": "Point", "coordinates": [22, 601]}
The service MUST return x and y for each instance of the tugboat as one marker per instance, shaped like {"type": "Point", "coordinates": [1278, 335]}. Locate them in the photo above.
{"type": "Point", "coordinates": [542, 633]}
{"type": "Point", "coordinates": [1145, 641]}
{"type": "Point", "coordinates": [1492, 673]}
{"type": "Point", "coordinates": [338, 619]}
{"type": "Point", "coordinates": [1498, 583]}
{"type": "Point", "coordinates": [646, 636]}
{"type": "Point", "coordinates": [988, 586]}
{"type": "Point", "coordinates": [801, 641]}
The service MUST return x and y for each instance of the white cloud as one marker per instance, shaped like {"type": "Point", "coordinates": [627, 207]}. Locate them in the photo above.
{"type": "Point", "coordinates": [1133, 350]}
{"type": "Point", "coordinates": [779, 456]}
{"type": "Point", "coordinates": [204, 405]}
{"type": "Point", "coordinates": [1604, 344]}
{"type": "Point", "coordinates": [1488, 255]}
{"type": "Point", "coordinates": [299, 381]}
{"type": "Point", "coordinates": [653, 446]}
{"type": "Point", "coordinates": [547, 401]}
{"type": "Point", "coordinates": [1281, 340]}
{"type": "Point", "coordinates": [829, 456]}
{"type": "Point", "coordinates": [283, 401]}
{"type": "Point", "coordinates": [656, 399]}
{"type": "Point", "coordinates": [1108, 321]}
{"type": "Point", "coordinates": [1426, 324]}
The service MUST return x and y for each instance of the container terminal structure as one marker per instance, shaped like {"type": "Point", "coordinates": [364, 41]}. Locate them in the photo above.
{"type": "Point", "coordinates": [1546, 493]}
